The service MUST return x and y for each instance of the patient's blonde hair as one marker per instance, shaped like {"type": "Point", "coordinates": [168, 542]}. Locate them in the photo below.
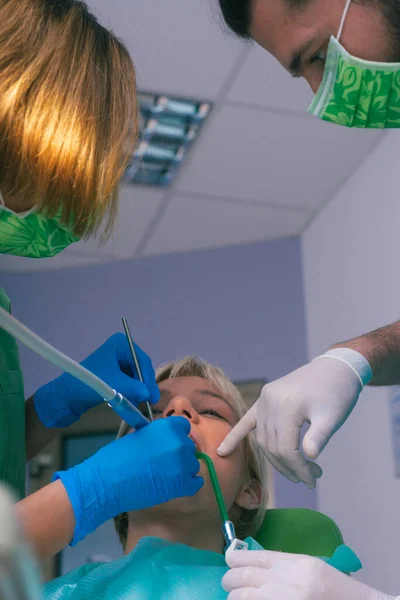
{"type": "Point", "coordinates": [68, 111]}
{"type": "Point", "coordinates": [247, 522]}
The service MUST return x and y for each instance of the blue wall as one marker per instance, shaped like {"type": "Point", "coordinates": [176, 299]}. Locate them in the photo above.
{"type": "Point", "coordinates": [241, 308]}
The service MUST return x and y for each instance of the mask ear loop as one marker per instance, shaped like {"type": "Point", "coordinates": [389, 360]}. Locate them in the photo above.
{"type": "Point", "coordinates": [346, 10]}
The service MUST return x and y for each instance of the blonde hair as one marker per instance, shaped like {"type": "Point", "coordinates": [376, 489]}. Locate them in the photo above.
{"type": "Point", "coordinates": [68, 111]}
{"type": "Point", "coordinates": [247, 522]}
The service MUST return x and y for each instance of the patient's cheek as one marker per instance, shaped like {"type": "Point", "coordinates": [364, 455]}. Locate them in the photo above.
{"type": "Point", "coordinates": [230, 476]}
{"type": "Point", "coordinates": [229, 468]}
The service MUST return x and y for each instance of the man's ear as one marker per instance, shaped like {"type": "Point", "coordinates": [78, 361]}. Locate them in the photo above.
{"type": "Point", "coordinates": [249, 496]}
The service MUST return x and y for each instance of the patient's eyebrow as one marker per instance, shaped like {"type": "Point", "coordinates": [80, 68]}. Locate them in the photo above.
{"type": "Point", "coordinates": [204, 392]}
{"type": "Point", "coordinates": [201, 392]}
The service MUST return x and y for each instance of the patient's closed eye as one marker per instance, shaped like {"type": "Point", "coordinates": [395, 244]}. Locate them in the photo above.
{"type": "Point", "coordinates": [212, 412]}
{"type": "Point", "coordinates": [205, 411]}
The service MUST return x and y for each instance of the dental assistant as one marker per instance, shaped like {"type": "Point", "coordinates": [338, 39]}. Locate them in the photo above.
{"type": "Point", "coordinates": [349, 53]}
{"type": "Point", "coordinates": [68, 126]}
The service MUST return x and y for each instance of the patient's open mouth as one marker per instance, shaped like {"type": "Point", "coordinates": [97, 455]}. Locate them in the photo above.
{"type": "Point", "coordinates": [196, 443]}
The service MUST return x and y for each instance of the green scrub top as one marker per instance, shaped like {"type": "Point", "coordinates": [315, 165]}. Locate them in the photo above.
{"type": "Point", "coordinates": [12, 411]}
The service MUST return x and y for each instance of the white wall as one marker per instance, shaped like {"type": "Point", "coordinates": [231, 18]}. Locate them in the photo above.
{"type": "Point", "coordinates": [351, 255]}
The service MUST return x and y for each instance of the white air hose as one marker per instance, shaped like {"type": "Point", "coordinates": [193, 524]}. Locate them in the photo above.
{"type": "Point", "coordinates": [35, 343]}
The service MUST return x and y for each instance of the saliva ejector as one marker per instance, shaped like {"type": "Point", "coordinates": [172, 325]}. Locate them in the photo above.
{"type": "Point", "coordinates": [228, 528]}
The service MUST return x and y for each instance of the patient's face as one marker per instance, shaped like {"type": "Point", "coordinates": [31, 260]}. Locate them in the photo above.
{"type": "Point", "coordinates": [211, 417]}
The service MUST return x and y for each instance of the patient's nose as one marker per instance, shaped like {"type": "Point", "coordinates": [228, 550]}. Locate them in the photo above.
{"type": "Point", "coordinates": [180, 406]}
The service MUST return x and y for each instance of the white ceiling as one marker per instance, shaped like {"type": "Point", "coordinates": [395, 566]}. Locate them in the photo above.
{"type": "Point", "coordinates": [261, 169]}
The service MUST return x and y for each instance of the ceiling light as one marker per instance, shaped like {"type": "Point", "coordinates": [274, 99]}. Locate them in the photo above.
{"type": "Point", "coordinates": [169, 126]}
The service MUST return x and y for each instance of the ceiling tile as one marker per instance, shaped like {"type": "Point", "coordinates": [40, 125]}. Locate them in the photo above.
{"type": "Point", "coordinates": [178, 47]}
{"type": "Point", "coordinates": [138, 206]}
{"type": "Point", "coordinates": [278, 159]}
{"type": "Point", "coordinates": [263, 82]}
{"type": "Point", "coordinates": [192, 223]}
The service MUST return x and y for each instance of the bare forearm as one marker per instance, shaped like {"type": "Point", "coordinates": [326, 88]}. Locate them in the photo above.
{"type": "Point", "coordinates": [382, 350]}
{"type": "Point", "coordinates": [47, 519]}
{"type": "Point", "coordinates": [37, 436]}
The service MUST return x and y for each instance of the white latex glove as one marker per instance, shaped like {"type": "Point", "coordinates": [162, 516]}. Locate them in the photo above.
{"type": "Point", "coordinates": [264, 575]}
{"type": "Point", "coordinates": [322, 393]}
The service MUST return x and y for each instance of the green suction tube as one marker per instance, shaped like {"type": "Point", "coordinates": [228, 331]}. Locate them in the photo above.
{"type": "Point", "coordinates": [214, 481]}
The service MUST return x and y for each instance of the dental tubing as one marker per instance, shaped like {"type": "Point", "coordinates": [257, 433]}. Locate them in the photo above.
{"type": "Point", "coordinates": [51, 354]}
{"type": "Point", "coordinates": [228, 528]}
{"type": "Point", "coordinates": [215, 483]}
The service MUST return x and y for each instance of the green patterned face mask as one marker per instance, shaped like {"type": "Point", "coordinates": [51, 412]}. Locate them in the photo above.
{"type": "Point", "coordinates": [356, 92]}
{"type": "Point", "coordinates": [32, 234]}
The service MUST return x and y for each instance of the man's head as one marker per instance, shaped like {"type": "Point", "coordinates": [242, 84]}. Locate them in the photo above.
{"type": "Point", "coordinates": [196, 390]}
{"type": "Point", "coordinates": [297, 32]}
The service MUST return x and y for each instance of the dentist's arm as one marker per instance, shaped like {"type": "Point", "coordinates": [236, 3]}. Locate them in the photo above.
{"type": "Point", "coordinates": [37, 435]}
{"type": "Point", "coordinates": [263, 575]}
{"type": "Point", "coordinates": [322, 393]}
{"type": "Point", "coordinates": [381, 348]}
{"type": "Point", "coordinates": [47, 519]}
{"type": "Point", "coordinates": [147, 467]}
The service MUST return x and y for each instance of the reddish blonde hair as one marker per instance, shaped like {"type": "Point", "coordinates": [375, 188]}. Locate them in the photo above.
{"type": "Point", "coordinates": [68, 110]}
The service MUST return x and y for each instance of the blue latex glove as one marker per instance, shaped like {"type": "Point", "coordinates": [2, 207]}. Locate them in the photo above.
{"type": "Point", "coordinates": [147, 467]}
{"type": "Point", "coordinates": [64, 400]}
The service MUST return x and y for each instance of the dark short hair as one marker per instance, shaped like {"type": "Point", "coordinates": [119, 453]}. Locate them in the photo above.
{"type": "Point", "coordinates": [237, 14]}
{"type": "Point", "coordinates": [391, 12]}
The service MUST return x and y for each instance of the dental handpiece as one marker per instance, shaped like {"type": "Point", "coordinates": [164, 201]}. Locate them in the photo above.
{"type": "Point", "coordinates": [127, 411]}
{"type": "Point", "coordinates": [135, 360]}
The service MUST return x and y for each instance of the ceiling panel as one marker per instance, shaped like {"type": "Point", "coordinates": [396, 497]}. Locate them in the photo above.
{"type": "Point", "coordinates": [192, 223]}
{"type": "Point", "coordinates": [178, 46]}
{"type": "Point", "coordinates": [275, 158]}
{"type": "Point", "coordinates": [263, 82]}
{"type": "Point", "coordinates": [261, 167]}
{"type": "Point", "coordinates": [138, 205]}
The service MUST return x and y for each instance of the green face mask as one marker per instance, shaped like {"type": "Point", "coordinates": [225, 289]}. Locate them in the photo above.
{"type": "Point", "coordinates": [32, 234]}
{"type": "Point", "coordinates": [356, 92]}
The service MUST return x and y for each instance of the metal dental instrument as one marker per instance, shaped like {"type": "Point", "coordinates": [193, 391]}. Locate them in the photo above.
{"type": "Point", "coordinates": [135, 360]}
{"type": "Point", "coordinates": [121, 405]}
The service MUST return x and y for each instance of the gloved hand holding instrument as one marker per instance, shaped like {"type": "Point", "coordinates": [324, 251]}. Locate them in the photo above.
{"type": "Point", "coordinates": [154, 464]}
{"type": "Point", "coordinates": [266, 575]}
{"type": "Point", "coordinates": [147, 467]}
{"type": "Point", "coordinates": [64, 400]}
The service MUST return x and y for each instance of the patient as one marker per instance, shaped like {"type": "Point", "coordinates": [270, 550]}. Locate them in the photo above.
{"type": "Point", "coordinates": [175, 550]}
